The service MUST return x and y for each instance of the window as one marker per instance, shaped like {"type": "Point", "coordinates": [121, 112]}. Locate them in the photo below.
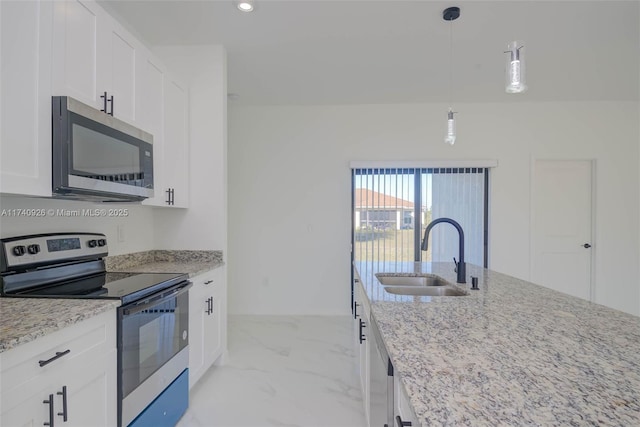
{"type": "Point", "coordinates": [393, 206]}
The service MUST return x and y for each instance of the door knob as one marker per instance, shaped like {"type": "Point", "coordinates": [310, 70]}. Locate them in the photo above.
{"type": "Point", "coordinates": [586, 246]}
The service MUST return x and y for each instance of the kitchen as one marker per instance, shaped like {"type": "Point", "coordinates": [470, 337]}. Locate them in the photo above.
{"type": "Point", "coordinates": [322, 135]}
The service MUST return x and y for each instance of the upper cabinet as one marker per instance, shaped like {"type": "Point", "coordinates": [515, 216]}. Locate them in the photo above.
{"type": "Point", "coordinates": [94, 59]}
{"type": "Point", "coordinates": [74, 48]}
{"type": "Point", "coordinates": [176, 148]}
{"type": "Point", "coordinates": [164, 112]}
{"type": "Point", "coordinates": [25, 97]}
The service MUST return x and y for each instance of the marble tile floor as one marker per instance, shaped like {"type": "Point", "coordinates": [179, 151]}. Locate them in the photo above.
{"type": "Point", "coordinates": [285, 371]}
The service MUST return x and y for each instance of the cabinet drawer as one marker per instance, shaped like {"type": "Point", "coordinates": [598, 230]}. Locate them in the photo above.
{"type": "Point", "coordinates": [21, 364]}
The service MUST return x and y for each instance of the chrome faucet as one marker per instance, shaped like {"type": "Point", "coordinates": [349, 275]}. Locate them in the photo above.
{"type": "Point", "coordinates": [460, 266]}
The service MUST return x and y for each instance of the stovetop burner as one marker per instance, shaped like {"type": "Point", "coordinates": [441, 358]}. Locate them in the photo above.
{"type": "Point", "coordinates": [70, 265]}
{"type": "Point", "coordinates": [116, 285]}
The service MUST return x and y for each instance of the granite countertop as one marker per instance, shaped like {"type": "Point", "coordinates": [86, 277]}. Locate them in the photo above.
{"type": "Point", "coordinates": [25, 319]}
{"type": "Point", "coordinates": [511, 353]}
{"type": "Point", "coordinates": [192, 263]}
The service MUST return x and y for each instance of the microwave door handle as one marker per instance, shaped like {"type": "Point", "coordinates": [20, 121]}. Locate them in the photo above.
{"type": "Point", "coordinates": [137, 308]}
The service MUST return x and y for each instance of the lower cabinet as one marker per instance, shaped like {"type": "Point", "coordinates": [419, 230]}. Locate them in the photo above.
{"type": "Point", "coordinates": [362, 343]}
{"type": "Point", "coordinates": [207, 322]}
{"type": "Point", "coordinates": [403, 414]}
{"type": "Point", "coordinates": [365, 351]}
{"type": "Point", "coordinates": [70, 381]}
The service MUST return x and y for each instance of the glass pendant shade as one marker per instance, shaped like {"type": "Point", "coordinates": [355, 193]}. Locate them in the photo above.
{"type": "Point", "coordinates": [450, 137]}
{"type": "Point", "coordinates": [515, 68]}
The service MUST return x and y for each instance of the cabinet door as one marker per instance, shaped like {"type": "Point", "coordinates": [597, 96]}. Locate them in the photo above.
{"type": "Point", "coordinates": [364, 361]}
{"type": "Point", "coordinates": [76, 58]}
{"type": "Point", "coordinates": [151, 116]}
{"type": "Point", "coordinates": [117, 51]}
{"type": "Point", "coordinates": [94, 55]}
{"type": "Point", "coordinates": [91, 394]}
{"type": "Point", "coordinates": [401, 402]}
{"type": "Point", "coordinates": [176, 145]}
{"type": "Point", "coordinates": [31, 411]}
{"type": "Point", "coordinates": [25, 103]}
{"type": "Point", "coordinates": [214, 321]}
{"type": "Point", "coordinates": [197, 319]}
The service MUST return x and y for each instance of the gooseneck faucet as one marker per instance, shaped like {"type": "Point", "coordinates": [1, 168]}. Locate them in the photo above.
{"type": "Point", "coordinates": [460, 266]}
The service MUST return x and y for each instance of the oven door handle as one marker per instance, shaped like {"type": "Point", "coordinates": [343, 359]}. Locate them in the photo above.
{"type": "Point", "coordinates": [165, 296]}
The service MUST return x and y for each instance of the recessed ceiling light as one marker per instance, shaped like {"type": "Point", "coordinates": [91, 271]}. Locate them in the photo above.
{"type": "Point", "coordinates": [245, 5]}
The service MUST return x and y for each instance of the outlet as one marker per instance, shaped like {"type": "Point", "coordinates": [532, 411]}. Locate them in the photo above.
{"type": "Point", "coordinates": [121, 233]}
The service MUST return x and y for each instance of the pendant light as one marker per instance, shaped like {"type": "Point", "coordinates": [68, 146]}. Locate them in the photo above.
{"type": "Point", "coordinates": [515, 70]}
{"type": "Point", "coordinates": [450, 14]}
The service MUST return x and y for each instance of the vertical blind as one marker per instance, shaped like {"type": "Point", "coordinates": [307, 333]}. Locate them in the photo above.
{"type": "Point", "coordinates": [392, 207]}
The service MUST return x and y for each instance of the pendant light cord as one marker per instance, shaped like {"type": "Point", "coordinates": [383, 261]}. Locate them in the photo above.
{"type": "Point", "coordinates": [450, 63]}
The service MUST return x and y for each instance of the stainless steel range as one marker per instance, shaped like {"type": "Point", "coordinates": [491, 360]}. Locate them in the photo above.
{"type": "Point", "coordinates": [153, 321]}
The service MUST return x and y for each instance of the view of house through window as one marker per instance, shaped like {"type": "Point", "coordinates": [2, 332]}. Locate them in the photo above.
{"type": "Point", "coordinates": [392, 207]}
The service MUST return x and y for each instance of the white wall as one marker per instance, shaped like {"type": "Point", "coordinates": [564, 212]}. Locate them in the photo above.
{"type": "Point", "coordinates": [289, 189]}
{"type": "Point", "coordinates": [137, 226]}
{"type": "Point", "coordinates": [204, 224]}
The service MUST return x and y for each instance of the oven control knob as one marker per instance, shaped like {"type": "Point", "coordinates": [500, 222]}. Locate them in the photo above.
{"type": "Point", "coordinates": [102, 242]}
{"type": "Point", "coordinates": [92, 243]}
{"type": "Point", "coordinates": [33, 249]}
{"type": "Point", "coordinates": [19, 250]}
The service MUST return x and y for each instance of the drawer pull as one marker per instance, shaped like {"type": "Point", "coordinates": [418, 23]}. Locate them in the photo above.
{"type": "Point", "coordinates": [63, 393]}
{"type": "Point", "coordinates": [402, 423]}
{"type": "Point", "coordinates": [58, 355]}
{"type": "Point", "coordinates": [50, 403]}
{"type": "Point", "coordinates": [208, 281]}
{"type": "Point", "coordinates": [362, 336]}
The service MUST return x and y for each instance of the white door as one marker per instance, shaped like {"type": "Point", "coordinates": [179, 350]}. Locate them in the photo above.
{"type": "Point", "coordinates": [561, 229]}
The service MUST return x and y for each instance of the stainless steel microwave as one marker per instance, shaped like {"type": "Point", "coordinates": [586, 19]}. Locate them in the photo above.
{"type": "Point", "coordinates": [96, 156]}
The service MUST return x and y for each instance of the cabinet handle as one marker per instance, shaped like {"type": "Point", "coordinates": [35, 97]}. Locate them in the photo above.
{"type": "Point", "coordinates": [104, 102]}
{"type": "Point", "coordinates": [362, 326]}
{"type": "Point", "coordinates": [355, 310]}
{"type": "Point", "coordinates": [111, 101]}
{"type": "Point", "coordinates": [170, 196]}
{"type": "Point", "coordinates": [402, 423]}
{"type": "Point", "coordinates": [63, 393]}
{"type": "Point", "coordinates": [209, 305]}
{"type": "Point", "coordinates": [58, 355]}
{"type": "Point", "coordinates": [50, 403]}
{"type": "Point", "coordinates": [208, 281]}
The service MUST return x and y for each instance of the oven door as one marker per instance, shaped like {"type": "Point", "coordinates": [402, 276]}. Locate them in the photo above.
{"type": "Point", "coordinates": [152, 348]}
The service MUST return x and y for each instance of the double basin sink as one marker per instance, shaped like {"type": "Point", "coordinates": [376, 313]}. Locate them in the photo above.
{"type": "Point", "coordinates": [426, 285]}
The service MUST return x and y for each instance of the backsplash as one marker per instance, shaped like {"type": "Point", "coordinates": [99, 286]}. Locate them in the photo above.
{"type": "Point", "coordinates": [128, 226]}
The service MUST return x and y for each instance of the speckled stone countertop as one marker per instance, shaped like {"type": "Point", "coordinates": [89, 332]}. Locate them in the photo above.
{"type": "Point", "coordinates": [25, 319]}
{"type": "Point", "coordinates": [164, 261]}
{"type": "Point", "coordinates": [510, 354]}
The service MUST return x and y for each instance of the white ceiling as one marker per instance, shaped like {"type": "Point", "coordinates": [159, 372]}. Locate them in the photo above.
{"type": "Point", "coordinates": [364, 51]}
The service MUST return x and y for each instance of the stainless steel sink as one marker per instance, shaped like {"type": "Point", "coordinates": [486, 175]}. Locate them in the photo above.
{"type": "Point", "coordinates": [433, 291]}
{"type": "Point", "coordinates": [411, 280]}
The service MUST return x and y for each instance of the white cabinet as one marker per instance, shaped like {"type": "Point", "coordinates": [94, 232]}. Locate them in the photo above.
{"type": "Point", "coordinates": [402, 407]}
{"type": "Point", "coordinates": [207, 322]}
{"type": "Point", "coordinates": [164, 110]}
{"type": "Point", "coordinates": [361, 311]}
{"type": "Point", "coordinates": [78, 382]}
{"type": "Point", "coordinates": [175, 174]}
{"type": "Point", "coordinates": [25, 97]}
{"type": "Point", "coordinates": [93, 54]}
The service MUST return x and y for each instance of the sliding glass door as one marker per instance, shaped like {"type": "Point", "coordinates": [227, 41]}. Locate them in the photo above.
{"type": "Point", "coordinates": [392, 207]}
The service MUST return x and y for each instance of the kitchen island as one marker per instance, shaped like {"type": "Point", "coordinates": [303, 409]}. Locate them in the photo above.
{"type": "Point", "coordinates": [511, 353]}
